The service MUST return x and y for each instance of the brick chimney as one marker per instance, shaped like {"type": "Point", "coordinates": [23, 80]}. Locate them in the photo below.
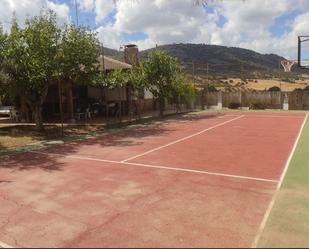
{"type": "Point", "coordinates": [131, 54]}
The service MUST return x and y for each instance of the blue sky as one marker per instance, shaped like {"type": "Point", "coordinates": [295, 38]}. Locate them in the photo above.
{"type": "Point", "coordinates": [88, 18]}
{"type": "Point", "coordinates": [266, 26]}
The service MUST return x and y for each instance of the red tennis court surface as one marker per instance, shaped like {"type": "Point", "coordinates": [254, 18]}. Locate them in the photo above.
{"type": "Point", "coordinates": [195, 181]}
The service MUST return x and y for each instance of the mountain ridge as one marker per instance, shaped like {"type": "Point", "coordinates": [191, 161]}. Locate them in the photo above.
{"type": "Point", "coordinates": [220, 59]}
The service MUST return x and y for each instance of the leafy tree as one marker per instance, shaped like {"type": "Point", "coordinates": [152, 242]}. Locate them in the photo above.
{"type": "Point", "coordinates": [31, 56]}
{"type": "Point", "coordinates": [188, 92]}
{"type": "Point", "coordinates": [137, 85]}
{"type": "Point", "coordinates": [116, 79]}
{"type": "Point", "coordinates": [4, 78]}
{"type": "Point", "coordinates": [274, 89]}
{"type": "Point", "coordinates": [162, 76]}
{"type": "Point", "coordinates": [79, 50]}
{"type": "Point", "coordinates": [77, 55]}
{"type": "Point", "coordinates": [40, 52]}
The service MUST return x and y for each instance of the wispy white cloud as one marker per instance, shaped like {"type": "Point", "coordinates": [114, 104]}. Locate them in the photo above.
{"type": "Point", "coordinates": [249, 24]}
{"type": "Point", "coordinates": [28, 8]}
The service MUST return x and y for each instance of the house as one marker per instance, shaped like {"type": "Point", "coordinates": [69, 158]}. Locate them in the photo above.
{"type": "Point", "coordinates": [77, 98]}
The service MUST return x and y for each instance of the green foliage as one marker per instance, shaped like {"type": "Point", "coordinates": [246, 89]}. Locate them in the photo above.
{"type": "Point", "coordinates": [78, 54]}
{"type": "Point", "coordinates": [234, 105]}
{"type": "Point", "coordinates": [210, 88]}
{"type": "Point", "coordinates": [258, 106]}
{"type": "Point", "coordinates": [40, 52]}
{"type": "Point", "coordinates": [4, 77]}
{"type": "Point", "coordinates": [137, 80]}
{"type": "Point", "coordinates": [289, 80]}
{"type": "Point", "coordinates": [274, 89]}
{"type": "Point", "coordinates": [162, 74]}
{"type": "Point", "coordinates": [116, 78]}
{"type": "Point", "coordinates": [163, 77]}
{"type": "Point", "coordinates": [31, 56]}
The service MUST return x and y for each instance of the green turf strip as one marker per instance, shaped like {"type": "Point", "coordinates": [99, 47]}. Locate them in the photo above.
{"type": "Point", "coordinates": [288, 223]}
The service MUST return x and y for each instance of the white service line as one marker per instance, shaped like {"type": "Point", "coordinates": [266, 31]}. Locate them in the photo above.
{"type": "Point", "coordinates": [201, 172]}
{"type": "Point", "coordinates": [162, 167]}
{"type": "Point", "coordinates": [3, 245]}
{"type": "Point", "coordinates": [181, 139]}
{"type": "Point", "coordinates": [74, 157]}
{"type": "Point", "coordinates": [272, 202]}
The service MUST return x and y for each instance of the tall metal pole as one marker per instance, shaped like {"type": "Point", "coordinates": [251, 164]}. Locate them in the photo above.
{"type": "Point", "coordinates": [280, 96]}
{"type": "Point", "coordinates": [193, 71]}
{"type": "Point", "coordinates": [102, 53]}
{"type": "Point", "coordinates": [299, 51]}
{"type": "Point", "coordinates": [242, 70]}
{"type": "Point", "coordinates": [207, 70]}
{"type": "Point", "coordinates": [279, 67]}
{"type": "Point", "coordinates": [59, 87]}
{"type": "Point", "coordinates": [103, 73]}
{"type": "Point", "coordinates": [76, 12]}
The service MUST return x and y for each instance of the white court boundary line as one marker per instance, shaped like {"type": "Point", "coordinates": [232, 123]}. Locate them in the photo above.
{"type": "Point", "coordinates": [274, 116]}
{"type": "Point", "coordinates": [272, 202]}
{"type": "Point", "coordinates": [160, 167]}
{"type": "Point", "coordinates": [181, 139]}
{"type": "Point", "coordinates": [124, 162]}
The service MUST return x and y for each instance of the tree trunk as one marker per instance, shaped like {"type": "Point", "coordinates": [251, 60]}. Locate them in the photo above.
{"type": "Point", "coordinates": [70, 103]}
{"type": "Point", "coordinates": [37, 112]}
{"type": "Point", "coordinates": [161, 106]}
{"type": "Point", "coordinates": [120, 107]}
{"type": "Point", "coordinates": [177, 99]}
{"type": "Point", "coordinates": [36, 104]}
{"type": "Point", "coordinates": [24, 110]}
{"type": "Point", "coordinates": [203, 99]}
{"type": "Point", "coordinates": [138, 109]}
{"type": "Point", "coordinates": [107, 114]}
{"type": "Point", "coordinates": [129, 100]}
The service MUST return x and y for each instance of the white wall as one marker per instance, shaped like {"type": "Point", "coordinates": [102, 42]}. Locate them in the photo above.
{"type": "Point", "coordinates": [148, 95]}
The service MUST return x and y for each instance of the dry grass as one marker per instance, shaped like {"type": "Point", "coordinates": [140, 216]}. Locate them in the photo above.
{"type": "Point", "coordinates": [285, 86]}
{"type": "Point", "coordinates": [11, 142]}
{"type": "Point", "coordinates": [263, 84]}
{"type": "Point", "coordinates": [20, 135]}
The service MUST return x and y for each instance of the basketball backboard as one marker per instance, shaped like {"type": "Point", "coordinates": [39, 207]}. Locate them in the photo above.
{"type": "Point", "coordinates": [303, 52]}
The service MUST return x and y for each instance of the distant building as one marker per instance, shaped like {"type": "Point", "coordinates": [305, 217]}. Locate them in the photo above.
{"type": "Point", "coordinates": [76, 98]}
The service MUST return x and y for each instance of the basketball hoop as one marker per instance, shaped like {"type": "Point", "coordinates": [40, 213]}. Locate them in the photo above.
{"type": "Point", "coordinates": [287, 65]}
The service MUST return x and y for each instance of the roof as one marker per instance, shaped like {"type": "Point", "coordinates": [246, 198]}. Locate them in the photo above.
{"type": "Point", "coordinates": [111, 64]}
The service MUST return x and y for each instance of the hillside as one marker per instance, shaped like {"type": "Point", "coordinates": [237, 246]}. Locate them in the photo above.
{"type": "Point", "coordinates": [220, 59]}
{"type": "Point", "coordinates": [118, 55]}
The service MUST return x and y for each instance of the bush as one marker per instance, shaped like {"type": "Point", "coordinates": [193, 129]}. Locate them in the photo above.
{"type": "Point", "coordinates": [234, 105]}
{"type": "Point", "coordinates": [288, 80]}
{"type": "Point", "coordinates": [211, 88]}
{"type": "Point", "coordinates": [258, 106]}
{"type": "Point", "coordinates": [298, 90]}
{"type": "Point", "coordinates": [244, 80]}
{"type": "Point", "coordinates": [231, 81]}
{"type": "Point", "coordinates": [274, 89]}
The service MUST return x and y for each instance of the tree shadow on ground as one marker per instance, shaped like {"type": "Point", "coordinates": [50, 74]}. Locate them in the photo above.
{"type": "Point", "coordinates": [122, 138]}
{"type": "Point", "coordinates": [117, 139]}
{"type": "Point", "coordinates": [30, 161]}
{"type": "Point", "coordinates": [49, 157]}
